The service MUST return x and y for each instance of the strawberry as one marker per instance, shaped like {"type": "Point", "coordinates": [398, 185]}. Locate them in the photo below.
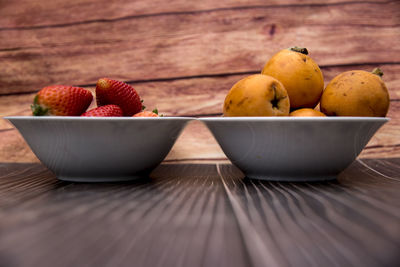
{"type": "Point", "coordinates": [118, 93]}
{"type": "Point", "coordinates": [104, 111]}
{"type": "Point", "coordinates": [146, 113]}
{"type": "Point", "coordinates": [61, 100]}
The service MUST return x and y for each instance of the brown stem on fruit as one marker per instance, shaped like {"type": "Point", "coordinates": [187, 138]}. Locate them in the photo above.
{"type": "Point", "coordinates": [302, 50]}
{"type": "Point", "coordinates": [378, 71]}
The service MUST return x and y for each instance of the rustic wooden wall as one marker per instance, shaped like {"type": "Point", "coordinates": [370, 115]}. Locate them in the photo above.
{"type": "Point", "coordinates": [183, 56]}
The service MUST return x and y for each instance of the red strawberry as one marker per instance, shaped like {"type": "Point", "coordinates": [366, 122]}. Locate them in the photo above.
{"type": "Point", "coordinates": [104, 111]}
{"type": "Point", "coordinates": [118, 93]}
{"type": "Point", "coordinates": [61, 100]}
{"type": "Point", "coordinates": [146, 113]}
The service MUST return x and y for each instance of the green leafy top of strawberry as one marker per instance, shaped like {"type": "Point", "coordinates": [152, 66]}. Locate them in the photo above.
{"type": "Point", "coordinates": [37, 109]}
{"type": "Point", "coordinates": [156, 112]}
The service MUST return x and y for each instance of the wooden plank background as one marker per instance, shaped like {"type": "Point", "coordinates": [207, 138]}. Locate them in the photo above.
{"type": "Point", "coordinates": [183, 56]}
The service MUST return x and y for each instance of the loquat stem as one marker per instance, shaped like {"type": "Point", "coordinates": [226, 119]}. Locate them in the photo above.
{"type": "Point", "coordinates": [378, 71]}
{"type": "Point", "coordinates": [302, 50]}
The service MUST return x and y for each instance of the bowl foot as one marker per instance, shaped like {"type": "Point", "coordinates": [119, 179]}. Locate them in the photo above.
{"type": "Point", "coordinates": [305, 178]}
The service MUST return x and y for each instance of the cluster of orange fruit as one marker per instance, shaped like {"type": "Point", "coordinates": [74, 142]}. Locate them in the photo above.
{"type": "Point", "coordinates": [291, 84]}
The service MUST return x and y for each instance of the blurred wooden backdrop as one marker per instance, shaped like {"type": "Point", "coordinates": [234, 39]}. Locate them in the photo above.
{"type": "Point", "coordinates": [183, 56]}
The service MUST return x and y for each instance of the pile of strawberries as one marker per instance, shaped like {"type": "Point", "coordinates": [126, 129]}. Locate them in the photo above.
{"type": "Point", "coordinates": [114, 99]}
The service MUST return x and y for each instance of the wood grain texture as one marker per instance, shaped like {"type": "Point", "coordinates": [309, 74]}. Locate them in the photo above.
{"type": "Point", "coordinates": [180, 45]}
{"type": "Point", "coordinates": [277, 216]}
{"type": "Point", "coordinates": [18, 13]}
{"type": "Point", "coordinates": [183, 56]}
{"type": "Point", "coordinates": [201, 215]}
{"type": "Point", "coordinates": [177, 218]}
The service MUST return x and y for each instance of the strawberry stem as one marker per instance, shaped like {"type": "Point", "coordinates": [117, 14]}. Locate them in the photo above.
{"type": "Point", "coordinates": [37, 109]}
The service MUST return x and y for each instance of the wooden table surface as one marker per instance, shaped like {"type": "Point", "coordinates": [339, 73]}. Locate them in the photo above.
{"type": "Point", "coordinates": [201, 215]}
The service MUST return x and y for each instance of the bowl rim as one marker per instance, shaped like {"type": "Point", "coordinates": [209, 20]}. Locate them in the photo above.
{"type": "Point", "coordinates": [292, 119]}
{"type": "Point", "coordinates": [205, 119]}
{"type": "Point", "coordinates": [78, 118]}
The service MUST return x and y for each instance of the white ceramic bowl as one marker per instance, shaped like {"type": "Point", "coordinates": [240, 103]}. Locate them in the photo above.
{"type": "Point", "coordinates": [88, 149]}
{"type": "Point", "coordinates": [293, 148]}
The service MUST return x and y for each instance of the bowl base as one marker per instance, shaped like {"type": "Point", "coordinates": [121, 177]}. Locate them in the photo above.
{"type": "Point", "coordinates": [304, 178]}
{"type": "Point", "coordinates": [96, 179]}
